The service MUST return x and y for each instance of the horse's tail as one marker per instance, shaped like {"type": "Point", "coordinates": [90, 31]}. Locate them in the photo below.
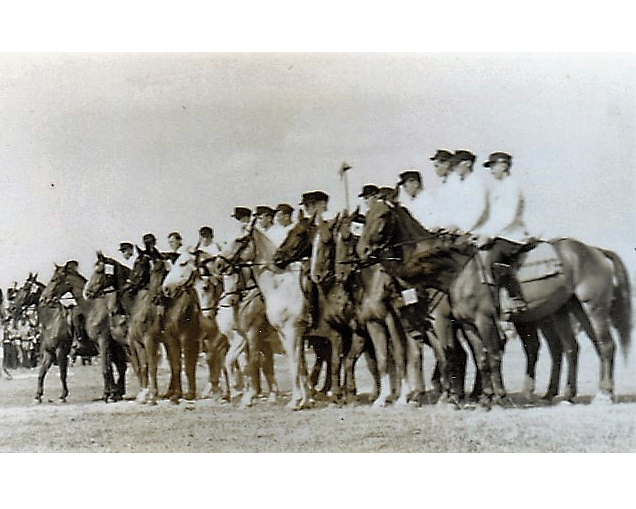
{"type": "Point", "coordinates": [621, 310]}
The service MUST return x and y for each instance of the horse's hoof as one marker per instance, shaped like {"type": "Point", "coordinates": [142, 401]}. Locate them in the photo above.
{"type": "Point", "coordinates": [602, 398]}
{"type": "Point", "coordinates": [62, 399]}
{"type": "Point", "coordinates": [272, 398]}
{"type": "Point", "coordinates": [174, 399]}
{"type": "Point", "coordinates": [190, 396]}
{"type": "Point", "coordinates": [38, 399]}
{"type": "Point", "coordinates": [484, 403]}
{"type": "Point", "coordinates": [548, 397]}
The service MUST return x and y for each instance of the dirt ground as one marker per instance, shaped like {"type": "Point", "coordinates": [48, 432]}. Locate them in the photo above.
{"type": "Point", "coordinates": [85, 425]}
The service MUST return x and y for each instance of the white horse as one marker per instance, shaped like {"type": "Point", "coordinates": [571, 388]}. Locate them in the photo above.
{"type": "Point", "coordinates": [285, 303]}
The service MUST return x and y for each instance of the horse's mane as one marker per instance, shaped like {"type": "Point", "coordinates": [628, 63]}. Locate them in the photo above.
{"type": "Point", "coordinates": [264, 246]}
{"type": "Point", "coordinates": [410, 226]}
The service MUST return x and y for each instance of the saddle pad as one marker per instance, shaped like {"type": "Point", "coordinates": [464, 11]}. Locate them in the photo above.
{"type": "Point", "coordinates": [541, 262]}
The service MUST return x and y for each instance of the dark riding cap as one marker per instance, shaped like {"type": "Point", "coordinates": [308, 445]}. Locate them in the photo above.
{"type": "Point", "coordinates": [241, 212]}
{"type": "Point", "coordinates": [176, 235]}
{"type": "Point", "coordinates": [285, 208]}
{"type": "Point", "coordinates": [369, 190]}
{"type": "Point", "coordinates": [313, 197]}
{"type": "Point", "coordinates": [71, 264]}
{"type": "Point", "coordinates": [264, 210]}
{"type": "Point", "coordinates": [387, 193]}
{"type": "Point", "coordinates": [498, 157]}
{"type": "Point", "coordinates": [463, 155]}
{"type": "Point", "coordinates": [148, 238]}
{"type": "Point", "coordinates": [442, 155]}
{"type": "Point", "coordinates": [408, 175]}
{"type": "Point", "coordinates": [206, 231]}
{"type": "Point", "coordinates": [125, 245]}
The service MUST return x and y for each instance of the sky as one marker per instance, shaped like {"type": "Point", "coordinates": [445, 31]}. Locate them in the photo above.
{"type": "Point", "coordinates": [96, 149]}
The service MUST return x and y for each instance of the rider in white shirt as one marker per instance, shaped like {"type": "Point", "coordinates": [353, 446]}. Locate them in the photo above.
{"type": "Point", "coordinates": [206, 241]}
{"type": "Point", "coordinates": [413, 197]}
{"type": "Point", "coordinates": [127, 251]}
{"type": "Point", "coordinates": [465, 196]}
{"type": "Point", "coordinates": [504, 232]}
{"type": "Point", "coordinates": [282, 224]}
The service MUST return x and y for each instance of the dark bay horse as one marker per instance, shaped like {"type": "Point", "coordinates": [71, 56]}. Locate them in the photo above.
{"type": "Point", "coordinates": [429, 259]}
{"type": "Point", "coordinates": [367, 314]}
{"type": "Point", "coordinates": [106, 289]}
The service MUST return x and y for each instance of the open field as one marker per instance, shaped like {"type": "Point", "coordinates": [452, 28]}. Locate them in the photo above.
{"type": "Point", "coordinates": [85, 425]}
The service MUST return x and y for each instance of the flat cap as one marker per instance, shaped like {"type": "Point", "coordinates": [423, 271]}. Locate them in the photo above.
{"type": "Point", "coordinates": [206, 231]}
{"type": "Point", "coordinates": [442, 155]}
{"type": "Point", "coordinates": [313, 197]}
{"type": "Point", "coordinates": [368, 190]}
{"type": "Point", "coordinates": [125, 245]}
{"type": "Point", "coordinates": [285, 208]}
{"type": "Point", "coordinates": [463, 155]}
{"type": "Point", "coordinates": [410, 174]}
{"type": "Point", "coordinates": [241, 212]}
{"type": "Point", "coordinates": [498, 157]}
{"type": "Point", "coordinates": [264, 209]}
{"type": "Point", "coordinates": [148, 237]}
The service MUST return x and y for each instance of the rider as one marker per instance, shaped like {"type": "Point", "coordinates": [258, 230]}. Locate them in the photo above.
{"type": "Point", "coordinates": [315, 202]}
{"type": "Point", "coordinates": [243, 216]}
{"type": "Point", "coordinates": [126, 250]}
{"type": "Point", "coordinates": [413, 197]}
{"type": "Point", "coordinates": [367, 195]}
{"type": "Point", "coordinates": [282, 223]}
{"type": "Point", "coordinates": [206, 241]}
{"type": "Point", "coordinates": [462, 201]}
{"type": "Point", "coordinates": [264, 217]}
{"type": "Point", "coordinates": [503, 232]}
{"type": "Point", "coordinates": [175, 241]}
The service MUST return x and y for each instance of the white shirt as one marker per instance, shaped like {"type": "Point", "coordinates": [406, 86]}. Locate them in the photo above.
{"type": "Point", "coordinates": [213, 249]}
{"type": "Point", "coordinates": [470, 204]}
{"type": "Point", "coordinates": [278, 233]}
{"type": "Point", "coordinates": [505, 212]}
{"type": "Point", "coordinates": [421, 206]}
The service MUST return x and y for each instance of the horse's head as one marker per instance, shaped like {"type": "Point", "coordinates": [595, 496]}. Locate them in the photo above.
{"type": "Point", "coordinates": [323, 250]}
{"type": "Point", "coordinates": [65, 279]}
{"type": "Point", "coordinates": [28, 294]}
{"type": "Point", "coordinates": [181, 274]}
{"type": "Point", "coordinates": [103, 277]}
{"type": "Point", "coordinates": [378, 228]}
{"type": "Point", "coordinates": [236, 252]}
{"type": "Point", "coordinates": [346, 237]}
{"type": "Point", "coordinates": [297, 244]}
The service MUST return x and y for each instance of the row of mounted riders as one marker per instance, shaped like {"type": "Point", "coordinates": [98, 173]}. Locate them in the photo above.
{"type": "Point", "coordinates": [382, 294]}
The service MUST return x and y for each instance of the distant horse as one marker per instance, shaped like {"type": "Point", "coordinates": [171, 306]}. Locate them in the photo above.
{"type": "Point", "coordinates": [285, 305]}
{"type": "Point", "coordinates": [106, 288]}
{"type": "Point", "coordinates": [431, 260]}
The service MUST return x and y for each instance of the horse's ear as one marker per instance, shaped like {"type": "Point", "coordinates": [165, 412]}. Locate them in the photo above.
{"type": "Point", "coordinates": [301, 215]}
{"type": "Point", "coordinates": [139, 251]}
{"type": "Point", "coordinates": [57, 267]}
{"type": "Point", "coordinates": [336, 221]}
{"type": "Point", "coordinates": [312, 219]}
{"type": "Point", "coordinates": [100, 256]}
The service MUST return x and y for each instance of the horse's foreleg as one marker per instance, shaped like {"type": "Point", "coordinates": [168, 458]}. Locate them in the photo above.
{"type": "Point", "coordinates": [106, 355]}
{"type": "Point", "coordinates": [120, 362]}
{"type": "Point", "coordinates": [173, 352]}
{"type": "Point", "coordinates": [191, 354]}
{"type": "Point", "coordinates": [354, 353]}
{"type": "Point", "coordinates": [530, 339]}
{"type": "Point", "coordinates": [47, 361]}
{"type": "Point", "coordinates": [380, 345]}
{"type": "Point", "coordinates": [483, 388]}
{"type": "Point", "coordinates": [267, 363]}
{"type": "Point", "coordinates": [62, 361]}
{"type": "Point", "coordinates": [252, 367]}
{"type": "Point", "coordinates": [152, 352]}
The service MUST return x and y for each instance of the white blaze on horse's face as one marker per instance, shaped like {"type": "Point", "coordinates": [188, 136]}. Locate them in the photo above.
{"type": "Point", "coordinates": [180, 273]}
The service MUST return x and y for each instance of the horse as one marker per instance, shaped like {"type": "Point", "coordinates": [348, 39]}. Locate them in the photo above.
{"type": "Point", "coordinates": [285, 305]}
{"type": "Point", "coordinates": [240, 319]}
{"type": "Point", "coordinates": [105, 288]}
{"type": "Point", "coordinates": [585, 288]}
{"type": "Point", "coordinates": [334, 256]}
{"type": "Point", "coordinates": [57, 335]}
{"type": "Point", "coordinates": [368, 314]}
{"type": "Point", "coordinates": [146, 326]}
{"type": "Point", "coordinates": [182, 333]}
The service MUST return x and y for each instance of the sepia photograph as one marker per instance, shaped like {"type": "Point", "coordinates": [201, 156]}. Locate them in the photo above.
{"type": "Point", "coordinates": [317, 252]}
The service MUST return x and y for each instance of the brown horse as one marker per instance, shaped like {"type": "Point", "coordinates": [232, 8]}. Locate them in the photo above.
{"type": "Point", "coordinates": [183, 332]}
{"type": "Point", "coordinates": [585, 288]}
{"type": "Point", "coordinates": [94, 317]}
{"type": "Point", "coordinates": [106, 288]}
{"type": "Point", "coordinates": [344, 266]}
{"type": "Point", "coordinates": [56, 337]}
{"type": "Point", "coordinates": [363, 309]}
